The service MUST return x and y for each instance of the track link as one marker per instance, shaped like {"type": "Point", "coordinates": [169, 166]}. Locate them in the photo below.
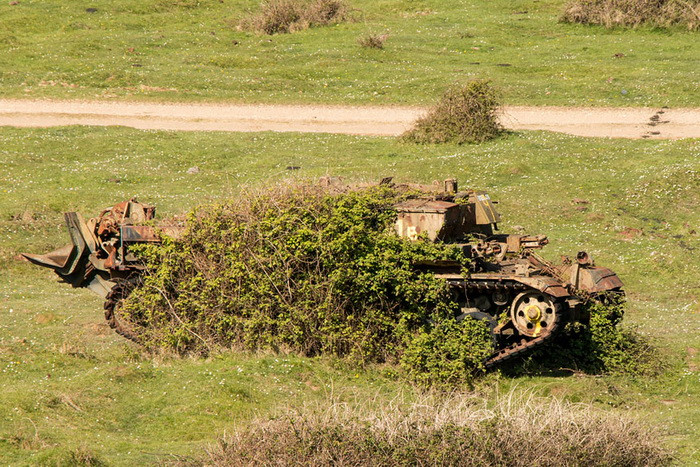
{"type": "Point", "coordinates": [113, 302]}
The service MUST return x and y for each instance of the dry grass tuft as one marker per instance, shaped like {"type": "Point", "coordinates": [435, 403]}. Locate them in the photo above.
{"type": "Point", "coordinates": [465, 114]}
{"type": "Point", "coordinates": [634, 13]}
{"type": "Point", "coordinates": [285, 16]}
{"type": "Point", "coordinates": [26, 438]}
{"type": "Point", "coordinates": [82, 456]}
{"type": "Point", "coordinates": [520, 429]}
{"type": "Point", "coordinates": [373, 41]}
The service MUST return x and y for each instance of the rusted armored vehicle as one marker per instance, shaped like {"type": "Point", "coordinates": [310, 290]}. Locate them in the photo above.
{"type": "Point", "coordinates": [99, 256]}
{"type": "Point", "coordinates": [524, 299]}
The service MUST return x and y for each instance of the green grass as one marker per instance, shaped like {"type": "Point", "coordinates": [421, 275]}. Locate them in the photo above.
{"type": "Point", "coordinates": [188, 50]}
{"type": "Point", "coordinates": [67, 383]}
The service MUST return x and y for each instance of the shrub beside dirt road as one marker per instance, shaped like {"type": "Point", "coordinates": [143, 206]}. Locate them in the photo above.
{"type": "Point", "coordinates": [466, 113]}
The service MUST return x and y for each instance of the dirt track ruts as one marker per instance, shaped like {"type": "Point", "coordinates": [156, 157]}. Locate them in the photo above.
{"type": "Point", "coordinates": [653, 123]}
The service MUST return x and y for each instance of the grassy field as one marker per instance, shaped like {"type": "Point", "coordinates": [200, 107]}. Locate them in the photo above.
{"type": "Point", "coordinates": [70, 389]}
{"type": "Point", "coordinates": [191, 50]}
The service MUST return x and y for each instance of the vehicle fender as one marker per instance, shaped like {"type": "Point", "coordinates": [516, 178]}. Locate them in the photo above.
{"type": "Point", "coordinates": [545, 284]}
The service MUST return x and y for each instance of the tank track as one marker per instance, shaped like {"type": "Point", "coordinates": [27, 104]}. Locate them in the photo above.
{"type": "Point", "coordinates": [124, 287]}
{"type": "Point", "coordinates": [495, 286]}
{"type": "Point", "coordinates": [524, 345]}
{"type": "Point", "coordinates": [112, 301]}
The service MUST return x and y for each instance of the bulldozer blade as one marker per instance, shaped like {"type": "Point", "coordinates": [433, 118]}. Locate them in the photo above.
{"type": "Point", "coordinates": [70, 261]}
{"type": "Point", "coordinates": [56, 259]}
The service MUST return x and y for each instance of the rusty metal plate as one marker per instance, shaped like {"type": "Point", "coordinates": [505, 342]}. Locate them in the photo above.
{"type": "Point", "coordinates": [424, 205]}
{"type": "Point", "coordinates": [139, 233]}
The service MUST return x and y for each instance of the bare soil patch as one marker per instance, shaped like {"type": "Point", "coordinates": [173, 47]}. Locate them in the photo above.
{"type": "Point", "coordinates": [373, 121]}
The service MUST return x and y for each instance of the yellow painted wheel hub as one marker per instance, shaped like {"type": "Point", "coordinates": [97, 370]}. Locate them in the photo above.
{"type": "Point", "coordinates": [533, 313]}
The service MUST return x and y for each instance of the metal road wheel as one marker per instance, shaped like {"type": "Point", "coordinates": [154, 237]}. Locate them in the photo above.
{"type": "Point", "coordinates": [500, 297]}
{"type": "Point", "coordinates": [533, 313]}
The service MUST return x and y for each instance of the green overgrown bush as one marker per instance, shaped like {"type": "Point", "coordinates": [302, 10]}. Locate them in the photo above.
{"type": "Point", "coordinates": [285, 16]}
{"type": "Point", "coordinates": [634, 13]}
{"type": "Point", "coordinates": [518, 429]}
{"type": "Point", "coordinates": [465, 114]}
{"type": "Point", "coordinates": [446, 352]}
{"type": "Point", "coordinates": [308, 271]}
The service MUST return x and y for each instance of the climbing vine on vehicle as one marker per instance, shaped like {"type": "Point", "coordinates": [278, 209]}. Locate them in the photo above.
{"type": "Point", "coordinates": [302, 270]}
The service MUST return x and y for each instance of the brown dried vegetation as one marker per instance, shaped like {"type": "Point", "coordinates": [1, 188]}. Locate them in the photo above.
{"type": "Point", "coordinates": [373, 41]}
{"type": "Point", "coordinates": [634, 13]}
{"type": "Point", "coordinates": [520, 429]}
{"type": "Point", "coordinates": [285, 16]}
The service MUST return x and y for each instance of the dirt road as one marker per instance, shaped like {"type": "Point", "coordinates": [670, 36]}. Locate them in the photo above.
{"type": "Point", "coordinates": [384, 121]}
